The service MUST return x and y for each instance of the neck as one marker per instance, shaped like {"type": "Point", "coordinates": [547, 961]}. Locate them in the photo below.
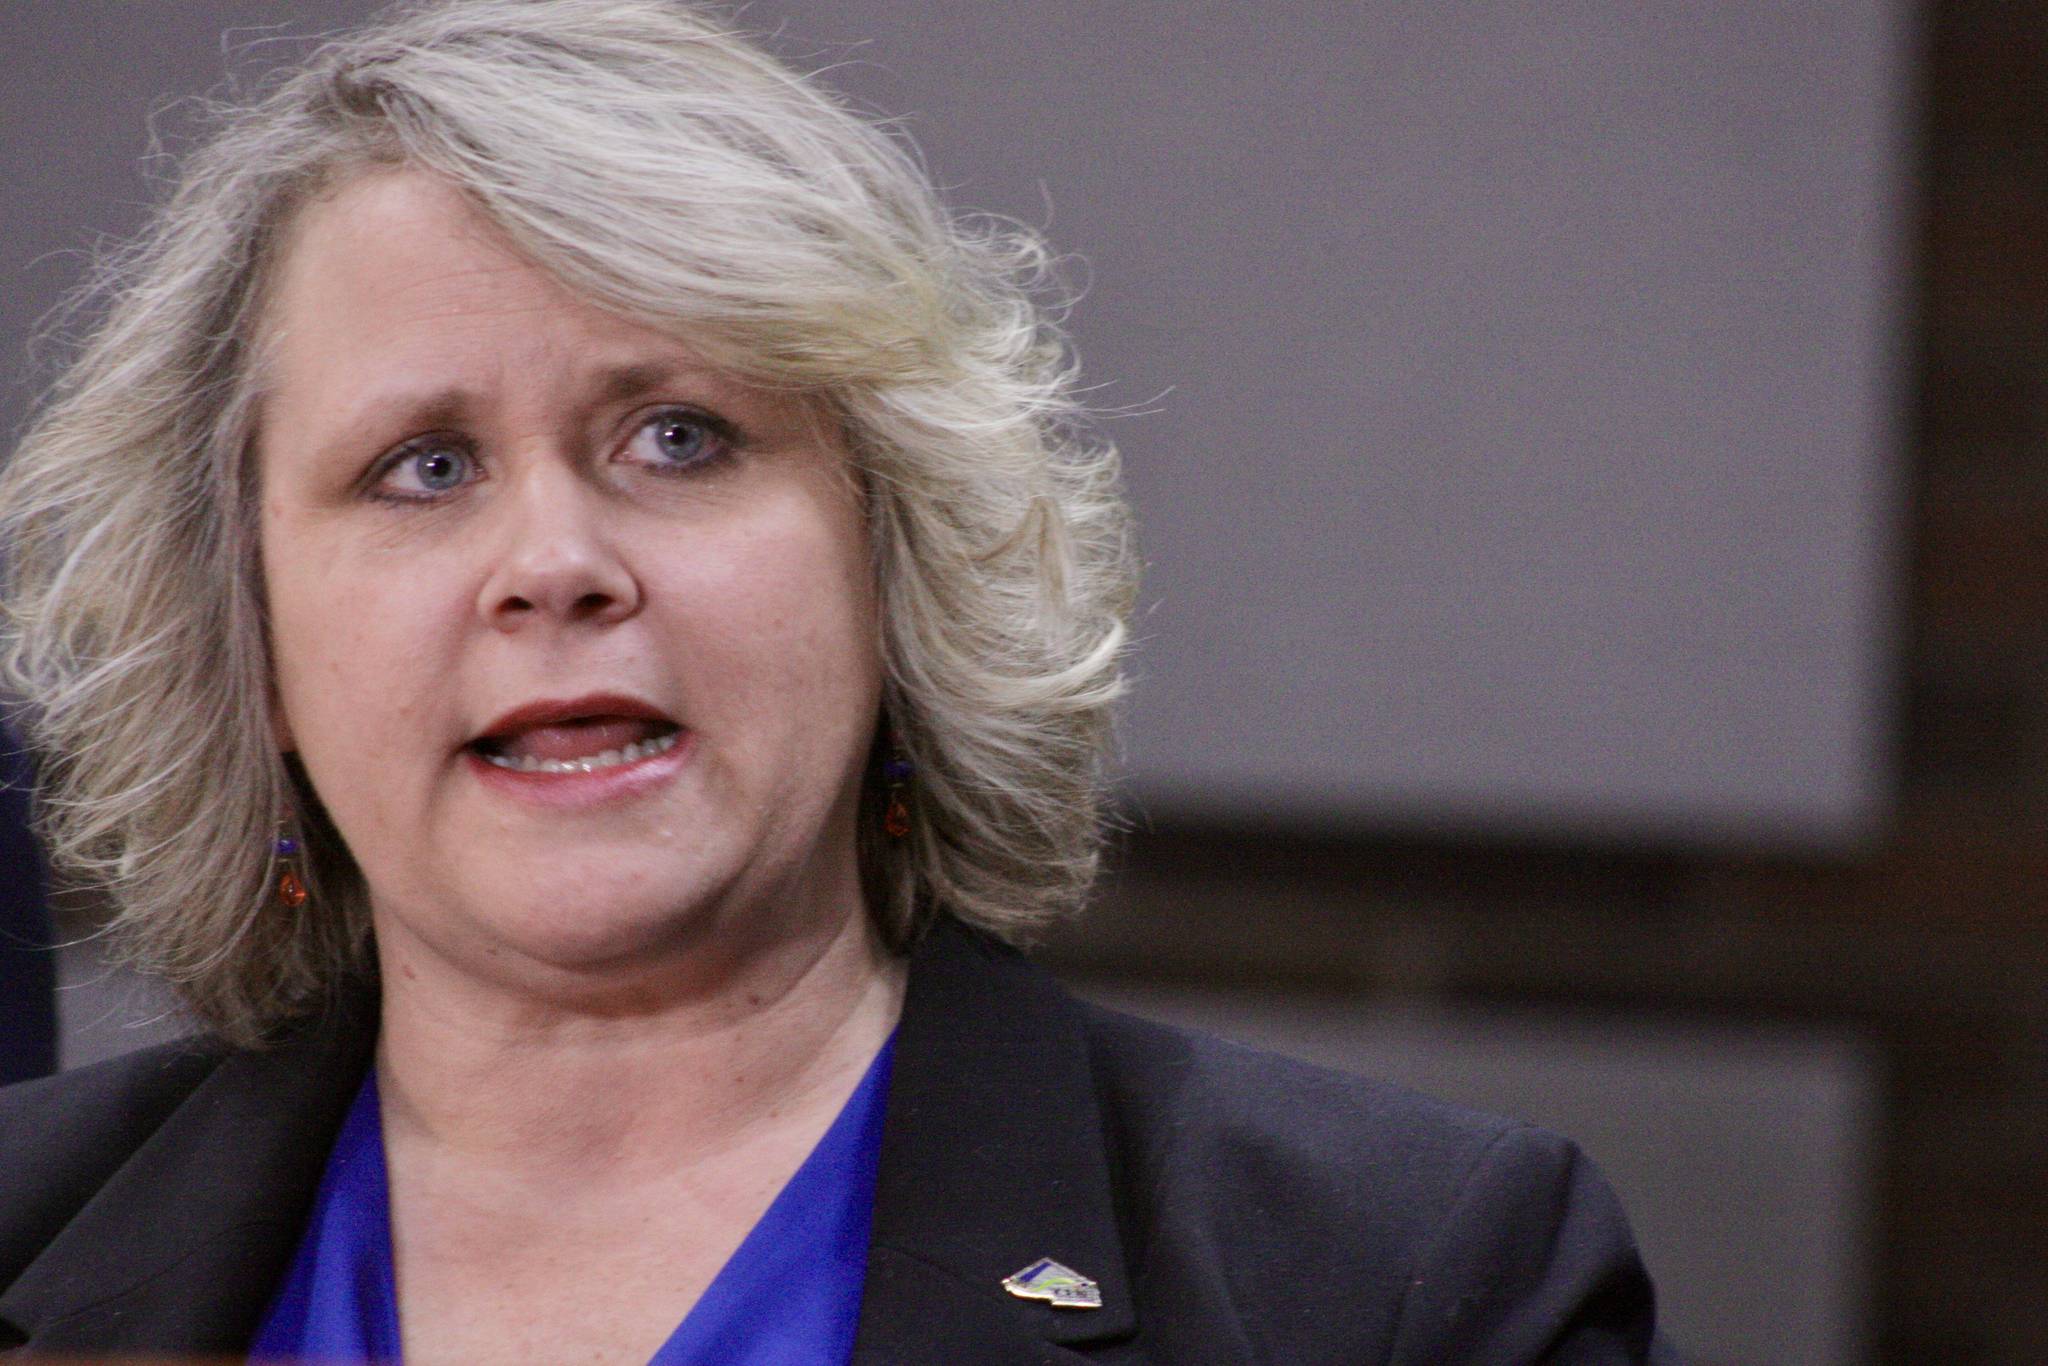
{"type": "Point", "coordinates": [673, 1080]}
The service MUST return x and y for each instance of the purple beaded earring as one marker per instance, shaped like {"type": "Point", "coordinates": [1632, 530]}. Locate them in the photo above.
{"type": "Point", "coordinates": [897, 771]}
{"type": "Point", "coordinates": [291, 889]}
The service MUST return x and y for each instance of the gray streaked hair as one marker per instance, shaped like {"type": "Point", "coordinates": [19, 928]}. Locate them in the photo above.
{"type": "Point", "coordinates": [661, 165]}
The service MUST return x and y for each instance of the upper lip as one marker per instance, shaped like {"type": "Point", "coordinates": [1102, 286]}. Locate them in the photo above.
{"type": "Point", "coordinates": [549, 710]}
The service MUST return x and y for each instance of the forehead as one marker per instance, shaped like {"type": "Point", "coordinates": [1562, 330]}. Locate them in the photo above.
{"type": "Point", "coordinates": [396, 274]}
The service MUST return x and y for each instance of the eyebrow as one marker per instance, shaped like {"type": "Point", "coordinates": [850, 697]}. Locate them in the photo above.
{"type": "Point", "coordinates": [452, 405]}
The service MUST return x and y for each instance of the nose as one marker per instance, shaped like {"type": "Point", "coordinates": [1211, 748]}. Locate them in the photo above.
{"type": "Point", "coordinates": [557, 559]}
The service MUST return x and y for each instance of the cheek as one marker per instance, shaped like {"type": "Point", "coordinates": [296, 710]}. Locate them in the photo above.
{"type": "Point", "coordinates": [789, 624]}
{"type": "Point", "coordinates": [346, 645]}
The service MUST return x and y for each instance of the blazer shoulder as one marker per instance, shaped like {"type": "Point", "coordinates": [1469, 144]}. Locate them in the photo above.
{"type": "Point", "coordinates": [1182, 1097]}
{"type": "Point", "coordinates": [133, 1090]}
{"type": "Point", "coordinates": [63, 1137]}
{"type": "Point", "coordinates": [1459, 1235]}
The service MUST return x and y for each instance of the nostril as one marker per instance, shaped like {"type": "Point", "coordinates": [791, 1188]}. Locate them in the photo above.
{"type": "Point", "coordinates": [552, 582]}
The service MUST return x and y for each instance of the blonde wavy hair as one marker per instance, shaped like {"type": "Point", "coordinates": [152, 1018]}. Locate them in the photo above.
{"type": "Point", "coordinates": [663, 166]}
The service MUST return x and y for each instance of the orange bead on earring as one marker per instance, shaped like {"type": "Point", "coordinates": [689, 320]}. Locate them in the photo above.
{"type": "Point", "coordinates": [291, 892]}
{"type": "Point", "coordinates": [896, 772]}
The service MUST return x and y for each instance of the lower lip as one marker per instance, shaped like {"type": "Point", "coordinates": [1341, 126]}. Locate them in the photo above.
{"type": "Point", "coordinates": [564, 791]}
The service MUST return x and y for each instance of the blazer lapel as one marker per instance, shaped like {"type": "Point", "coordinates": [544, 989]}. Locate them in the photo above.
{"type": "Point", "coordinates": [993, 1156]}
{"type": "Point", "coordinates": [181, 1250]}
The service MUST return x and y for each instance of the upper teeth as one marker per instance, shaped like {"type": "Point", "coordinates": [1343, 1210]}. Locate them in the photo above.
{"type": "Point", "coordinates": [611, 758]}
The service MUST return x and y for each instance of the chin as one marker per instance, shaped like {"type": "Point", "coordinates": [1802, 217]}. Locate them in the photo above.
{"type": "Point", "coordinates": [585, 919]}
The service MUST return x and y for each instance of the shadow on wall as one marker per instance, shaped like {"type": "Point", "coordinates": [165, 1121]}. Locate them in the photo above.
{"type": "Point", "coordinates": [28, 1030]}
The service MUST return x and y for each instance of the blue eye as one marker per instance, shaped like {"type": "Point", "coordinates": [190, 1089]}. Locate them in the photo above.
{"type": "Point", "coordinates": [428, 468]}
{"type": "Point", "coordinates": [681, 438]}
{"type": "Point", "coordinates": [439, 469]}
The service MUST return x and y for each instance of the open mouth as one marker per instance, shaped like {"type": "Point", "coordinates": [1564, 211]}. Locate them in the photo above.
{"type": "Point", "coordinates": [585, 744]}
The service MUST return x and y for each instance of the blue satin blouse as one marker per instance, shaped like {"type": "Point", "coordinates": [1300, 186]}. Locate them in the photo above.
{"type": "Point", "coordinates": [790, 1293]}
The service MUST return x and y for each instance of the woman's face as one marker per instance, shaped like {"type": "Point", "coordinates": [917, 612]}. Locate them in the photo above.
{"type": "Point", "coordinates": [574, 635]}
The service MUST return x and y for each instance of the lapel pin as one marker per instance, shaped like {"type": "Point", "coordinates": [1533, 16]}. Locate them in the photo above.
{"type": "Point", "coordinates": [1062, 1287]}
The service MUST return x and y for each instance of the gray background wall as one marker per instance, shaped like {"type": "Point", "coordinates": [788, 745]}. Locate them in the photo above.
{"type": "Point", "coordinates": [1521, 383]}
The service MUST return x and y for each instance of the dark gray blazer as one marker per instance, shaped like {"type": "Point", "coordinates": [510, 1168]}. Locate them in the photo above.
{"type": "Point", "coordinates": [1232, 1206]}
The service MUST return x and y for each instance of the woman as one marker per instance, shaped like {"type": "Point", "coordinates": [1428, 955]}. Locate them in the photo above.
{"type": "Point", "coordinates": [566, 603]}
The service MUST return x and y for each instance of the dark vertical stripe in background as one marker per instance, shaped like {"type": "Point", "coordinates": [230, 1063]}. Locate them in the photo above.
{"type": "Point", "coordinates": [28, 980]}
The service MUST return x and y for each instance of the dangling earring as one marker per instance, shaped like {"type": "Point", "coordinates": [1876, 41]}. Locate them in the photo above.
{"type": "Point", "coordinates": [291, 889]}
{"type": "Point", "coordinates": [897, 770]}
